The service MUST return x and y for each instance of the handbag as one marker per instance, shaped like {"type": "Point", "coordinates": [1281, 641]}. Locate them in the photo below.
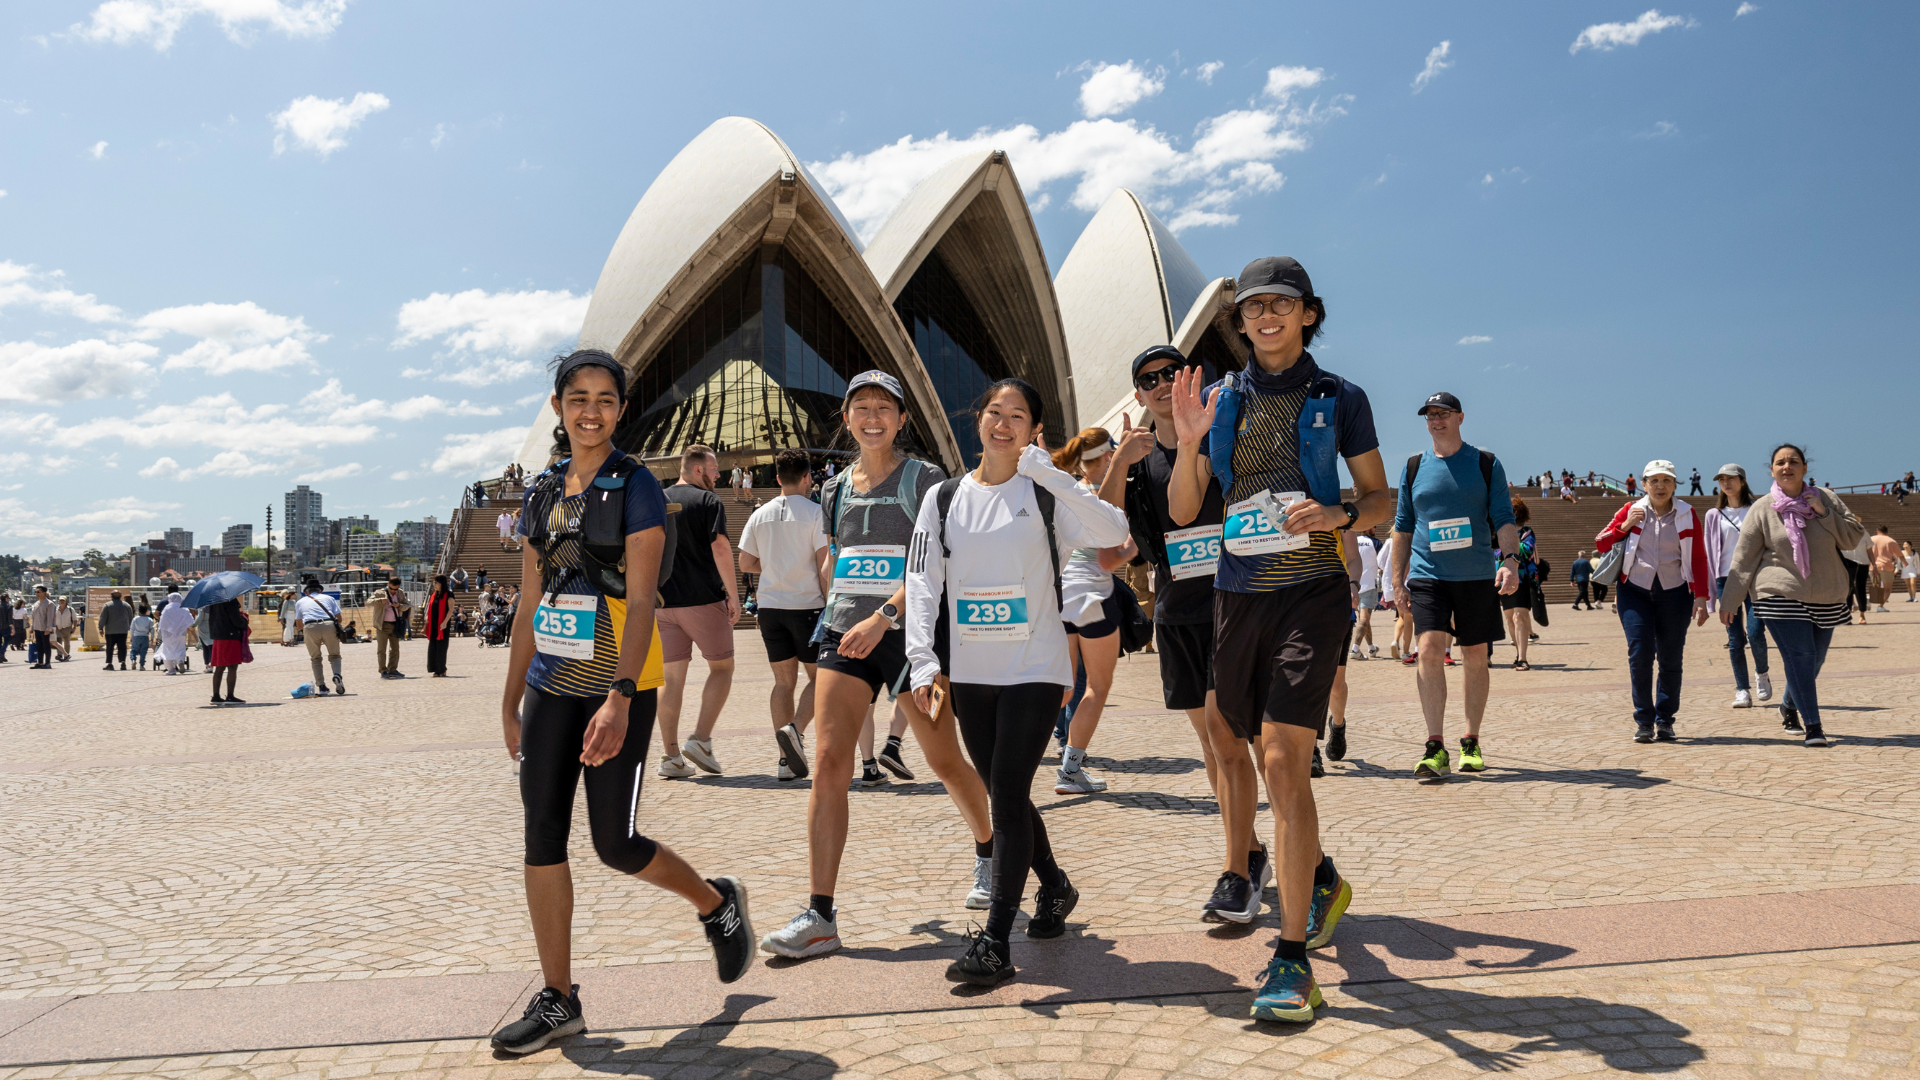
{"type": "Point", "coordinates": [1136, 630]}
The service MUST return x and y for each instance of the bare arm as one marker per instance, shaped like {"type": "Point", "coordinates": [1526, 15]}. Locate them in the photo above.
{"type": "Point", "coordinates": [749, 562]}
{"type": "Point", "coordinates": [1192, 419]}
{"type": "Point", "coordinates": [519, 656]}
{"type": "Point", "coordinates": [723, 562]}
{"type": "Point", "coordinates": [823, 565]}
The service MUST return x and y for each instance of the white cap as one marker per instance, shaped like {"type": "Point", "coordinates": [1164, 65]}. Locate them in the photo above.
{"type": "Point", "coordinates": [1659, 467]}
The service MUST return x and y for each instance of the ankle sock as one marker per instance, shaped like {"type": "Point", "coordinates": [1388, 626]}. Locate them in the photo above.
{"type": "Point", "coordinates": [1073, 758]}
{"type": "Point", "coordinates": [983, 849]}
{"type": "Point", "coordinates": [821, 904]}
{"type": "Point", "coordinates": [1292, 950]}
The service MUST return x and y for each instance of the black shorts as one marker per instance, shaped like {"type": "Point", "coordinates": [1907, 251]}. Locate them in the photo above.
{"type": "Point", "coordinates": [1107, 625]}
{"type": "Point", "coordinates": [885, 666]}
{"type": "Point", "coordinates": [1275, 653]}
{"type": "Point", "coordinates": [788, 633]}
{"type": "Point", "coordinates": [1186, 663]}
{"type": "Point", "coordinates": [1469, 610]}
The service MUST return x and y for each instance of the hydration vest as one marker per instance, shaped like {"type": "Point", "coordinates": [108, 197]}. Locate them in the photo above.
{"type": "Point", "coordinates": [602, 532]}
{"type": "Point", "coordinates": [1319, 430]}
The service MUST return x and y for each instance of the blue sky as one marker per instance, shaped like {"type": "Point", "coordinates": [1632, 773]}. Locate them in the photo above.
{"type": "Point", "coordinates": [248, 241]}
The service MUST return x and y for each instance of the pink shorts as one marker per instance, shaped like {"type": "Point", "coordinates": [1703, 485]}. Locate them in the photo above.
{"type": "Point", "coordinates": [681, 628]}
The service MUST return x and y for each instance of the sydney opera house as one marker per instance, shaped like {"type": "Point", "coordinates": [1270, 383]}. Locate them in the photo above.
{"type": "Point", "coordinates": [741, 301]}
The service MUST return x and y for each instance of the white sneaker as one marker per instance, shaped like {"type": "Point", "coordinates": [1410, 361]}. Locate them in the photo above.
{"type": "Point", "coordinates": [793, 749]}
{"type": "Point", "coordinates": [981, 897]}
{"type": "Point", "coordinates": [809, 934]}
{"type": "Point", "coordinates": [700, 752]}
{"type": "Point", "coordinates": [782, 772]}
{"type": "Point", "coordinates": [1766, 687]}
{"type": "Point", "coordinates": [1881, 607]}
{"type": "Point", "coordinates": [1356, 654]}
{"type": "Point", "coordinates": [1373, 650]}
{"type": "Point", "coordinates": [675, 768]}
{"type": "Point", "coordinates": [1077, 782]}
{"type": "Point", "coordinates": [1742, 699]}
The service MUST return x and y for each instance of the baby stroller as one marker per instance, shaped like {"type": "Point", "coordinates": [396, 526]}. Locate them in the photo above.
{"type": "Point", "coordinates": [494, 627]}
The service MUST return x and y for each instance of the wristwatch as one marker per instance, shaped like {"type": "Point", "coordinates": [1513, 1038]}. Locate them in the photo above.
{"type": "Point", "coordinates": [1353, 514]}
{"type": "Point", "coordinates": [623, 687]}
{"type": "Point", "coordinates": [891, 613]}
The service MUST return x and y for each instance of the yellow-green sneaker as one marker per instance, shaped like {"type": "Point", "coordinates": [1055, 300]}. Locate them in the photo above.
{"type": "Point", "coordinates": [1471, 759]}
{"type": "Point", "coordinates": [1433, 764]}
{"type": "Point", "coordinates": [1287, 992]}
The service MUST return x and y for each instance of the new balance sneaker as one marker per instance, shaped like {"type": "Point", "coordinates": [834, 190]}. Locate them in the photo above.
{"type": "Point", "coordinates": [729, 930]}
{"type": "Point", "coordinates": [1471, 759]}
{"type": "Point", "coordinates": [1663, 732]}
{"type": "Point", "coordinates": [339, 687]}
{"type": "Point", "coordinates": [809, 934]}
{"type": "Point", "coordinates": [675, 768]}
{"type": "Point", "coordinates": [890, 760]}
{"type": "Point", "coordinates": [1316, 768]}
{"type": "Point", "coordinates": [1328, 903]}
{"type": "Point", "coordinates": [1643, 733]}
{"type": "Point", "coordinates": [550, 1015]}
{"type": "Point", "coordinates": [794, 749]}
{"type": "Point", "coordinates": [1766, 686]}
{"type": "Point", "coordinates": [1077, 782]}
{"type": "Point", "coordinates": [1433, 762]}
{"type": "Point", "coordinates": [783, 771]}
{"type": "Point", "coordinates": [980, 898]}
{"type": "Point", "coordinates": [1051, 908]}
{"type": "Point", "coordinates": [1287, 992]}
{"type": "Point", "coordinates": [1233, 900]}
{"type": "Point", "coordinates": [1337, 742]}
{"type": "Point", "coordinates": [986, 963]}
{"type": "Point", "coordinates": [1743, 699]}
{"type": "Point", "coordinates": [1816, 736]}
{"type": "Point", "coordinates": [700, 752]}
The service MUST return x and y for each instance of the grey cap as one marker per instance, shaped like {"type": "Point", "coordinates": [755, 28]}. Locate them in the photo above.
{"type": "Point", "coordinates": [1730, 469]}
{"type": "Point", "coordinates": [880, 379]}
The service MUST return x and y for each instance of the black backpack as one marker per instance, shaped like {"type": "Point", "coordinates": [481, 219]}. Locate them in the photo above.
{"type": "Point", "coordinates": [602, 533]}
{"type": "Point", "coordinates": [1486, 474]}
{"type": "Point", "coordinates": [943, 498]}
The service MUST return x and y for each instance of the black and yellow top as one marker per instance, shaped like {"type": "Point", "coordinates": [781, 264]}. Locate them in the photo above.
{"type": "Point", "coordinates": [1266, 457]}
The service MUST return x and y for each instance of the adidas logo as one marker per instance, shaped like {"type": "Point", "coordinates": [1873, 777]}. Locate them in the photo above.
{"type": "Point", "coordinates": [1022, 513]}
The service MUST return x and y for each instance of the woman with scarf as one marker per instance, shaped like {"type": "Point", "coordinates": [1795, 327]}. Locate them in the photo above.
{"type": "Point", "coordinates": [439, 618]}
{"type": "Point", "coordinates": [227, 633]}
{"type": "Point", "coordinates": [175, 621]}
{"type": "Point", "coordinates": [1789, 561]}
{"type": "Point", "coordinates": [1663, 580]}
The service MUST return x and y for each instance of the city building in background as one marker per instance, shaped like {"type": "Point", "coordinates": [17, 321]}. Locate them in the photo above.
{"type": "Point", "coordinates": [338, 529]}
{"type": "Point", "coordinates": [305, 526]}
{"type": "Point", "coordinates": [741, 302]}
{"type": "Point", "coordinates": [420, 539]}
{"type": "Point", "coordinates": [179, 539]}
{"type": "Point", "coordinates": [368, 548]}
{"type": "Point", "coordinates": [236, 539]}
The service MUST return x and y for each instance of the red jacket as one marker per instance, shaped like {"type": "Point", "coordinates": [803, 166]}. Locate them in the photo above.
{"type": "Point", "coordinates": [1693, 546]}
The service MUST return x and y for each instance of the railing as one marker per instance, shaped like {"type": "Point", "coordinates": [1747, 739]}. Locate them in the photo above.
{"type": "Point", "coordinates": [1883, 487]}
{"type": "Point", "coordinates": [498, 492]}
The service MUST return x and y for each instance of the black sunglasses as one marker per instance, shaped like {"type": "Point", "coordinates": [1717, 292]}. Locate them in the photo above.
{"type": "Point", "coordinates": [1147, 381]}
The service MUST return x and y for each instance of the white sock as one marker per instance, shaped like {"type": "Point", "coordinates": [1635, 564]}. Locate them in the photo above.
{"type": "Point", "coordinates": [1073, 759]}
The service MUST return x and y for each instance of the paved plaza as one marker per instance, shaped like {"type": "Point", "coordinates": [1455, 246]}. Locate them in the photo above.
{"type": "Point", "coordinates": [332, 888]}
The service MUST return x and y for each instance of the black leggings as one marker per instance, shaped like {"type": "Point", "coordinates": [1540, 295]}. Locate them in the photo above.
{"type": "Point", "coordinates": [1006, 729]}
{"type": "Point", "coordinates": [552, 730]}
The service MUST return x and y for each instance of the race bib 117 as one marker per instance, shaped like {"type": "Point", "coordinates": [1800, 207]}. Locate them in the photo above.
{"type": "Point", "coordinates": [1451, 534]}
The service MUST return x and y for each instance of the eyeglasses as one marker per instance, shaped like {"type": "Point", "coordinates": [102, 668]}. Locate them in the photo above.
{"type": "Point", "coordinates": [1147, 381]}
{"type": "Point", "coordinates": [1280, 305]}
{"type": "Point", "coordinates": [1439, 414]}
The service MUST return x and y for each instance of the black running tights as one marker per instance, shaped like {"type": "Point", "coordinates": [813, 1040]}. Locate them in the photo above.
{"type": "Point", "coordinates": [1006, 729]}
{"type": "Point", "coordinates": [552, 731]}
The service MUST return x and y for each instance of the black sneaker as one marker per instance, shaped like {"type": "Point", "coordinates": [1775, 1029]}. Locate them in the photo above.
{"type": "Point", "coordinates": [1229, 900]}
{"type": "Point", "coordinates": [1663, 732]}
{"type": "Point", "coordinates": [1790, 718]}
{"type": "Point", "coordinates": [890, 761]}
{"type": "Point", "coordinates": [1050, 910]}
{"type": "Point", "coordinates": [1337, 743]}
{"type": "Point", "coordinates": [338, 686]}
{"type": "Point", "coordinates": [1817, 737]}
{"type": "Point", "coordinates": [1643, 733]}
{"type": "Point", "coordinates": [871, 776]}
{"type": "Point", "coordinates": [549, 1016]}
{"type": "Point", "coordinates": [231, 700]}
{"type": "Point", "coordinates": [1319, 768]}
{"type": "Point", "coordinates": [728, 929]}
{"type": "Point", "coordinates": [986, 962]}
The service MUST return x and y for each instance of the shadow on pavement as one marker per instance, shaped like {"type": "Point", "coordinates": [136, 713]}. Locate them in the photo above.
{"type": "Point", "coordinates": [1362, 769]}
{"type": "Point", "coordinates": [696, 1047]}
{"type": "Point", "coordinates": [1792, 739]}
{"type": "Point", "coordinates": [1164, 766]}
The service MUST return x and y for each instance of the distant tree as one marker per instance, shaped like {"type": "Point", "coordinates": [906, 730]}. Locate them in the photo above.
{"type": "Point", "coordinates": [253, 554]}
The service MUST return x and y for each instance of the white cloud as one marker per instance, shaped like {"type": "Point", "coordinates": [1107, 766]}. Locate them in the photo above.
{"type": "Point", "coordinates": [1474, 339]}
{"type": "Point", "coordinates": [439, 136]}
{"type": "Point", "coordinates": [1436, 63]}
{"type": "Point", "coordinates": [333, 403]}
{"type": "Point", "coordinates": [475, 321]}
{"type": "Point", "coordinates": [1660, 130]}
{"type": "Point", "coordinates": [17, 286]}
{"type": "Point", "coordinates": [403, 474]}
{"type": "Point", "coordinates": [1115, 88]}
{"type": "Point", "coordinates": [3, 193]}
{"type": "Point", "coordinates": [33, 372]}
{"type": "Point", "coordinates": [1745, 9]}
{"type": "Point", "coordinates": [164, 468]}
{"type": "Point", "coordinates": [338, 472]}
{"type": "Point", "coordinates": [479, 453]}
{"type": "Point", "coordinates": [1192, 185]}
{"type": "Point", "coordinates": [158, 21]}
{"type": "Point", "coordinates": [221, 422]}
{"type": "Point", "coordinates": [320, 124]}
{"type": "Point", "coordinates": [1205, 72]}
{"type": "Point", "coordinates": [1605, 37]}
{"type": "Point", "coordinates": [33, 527]}
{"type": "Point", "coordinates": [233, 337]}
{"type": "Point", "coordinates": [98, 150]}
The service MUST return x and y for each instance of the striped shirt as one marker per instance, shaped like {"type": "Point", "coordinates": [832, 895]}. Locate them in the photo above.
{"type": "Point", "coordinates": [1785, 609]}
{"type": "Point", "coordinates": [1266, 457]}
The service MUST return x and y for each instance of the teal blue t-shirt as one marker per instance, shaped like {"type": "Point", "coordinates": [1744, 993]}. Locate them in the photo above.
{"type": "Point", "coordinates": [1447, 509]}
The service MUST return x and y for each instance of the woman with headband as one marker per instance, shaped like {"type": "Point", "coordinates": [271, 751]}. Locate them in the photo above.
{"type": "Point", "coordinates": [1087, 607]}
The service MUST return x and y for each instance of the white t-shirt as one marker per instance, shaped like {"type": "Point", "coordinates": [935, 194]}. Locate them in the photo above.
{"type": "Point", "coordinates": [142, 626]}
{"type": "Point", "coordinates": [786, 535]}
{"type": "Point", "coordinates": [999, 545]}
{"type": "Point", "coordinates": [1369, 564]}
{"type": "Point", "coordinates": [316, 607]}
{"type": "Point", "coordinates": [1383, 569]}
{"type": "Point", "coordinates": [505, 521]}
{"type": "Point", "coordinates": [1723, 535]}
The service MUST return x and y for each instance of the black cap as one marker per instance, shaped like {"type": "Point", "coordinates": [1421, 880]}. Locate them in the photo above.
{"type": "Point", "coordinates": [1443, 400]}
{"type": "Point", "coordinates": [1275, 274]}
{"type": "Point", "coordinates": [1157, 352]}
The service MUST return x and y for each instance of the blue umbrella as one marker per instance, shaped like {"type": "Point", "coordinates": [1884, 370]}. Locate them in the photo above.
{"type": "Point", "coordinates": [220, 587]}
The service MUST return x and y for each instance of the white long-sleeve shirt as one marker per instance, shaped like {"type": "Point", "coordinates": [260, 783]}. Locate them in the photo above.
{"type": "Point", "coordinates": [1000, 555]}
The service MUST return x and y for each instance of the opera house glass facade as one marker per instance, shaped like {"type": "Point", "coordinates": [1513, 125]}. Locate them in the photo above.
{"type": "Point", "coordinates": [741, 302]}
